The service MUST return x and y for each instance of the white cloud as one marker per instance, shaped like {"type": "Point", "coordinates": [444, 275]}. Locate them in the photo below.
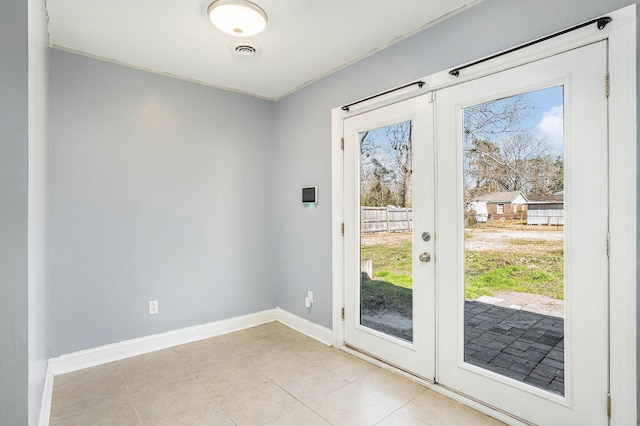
{"type": "Point", "coordinates": [551, 127]}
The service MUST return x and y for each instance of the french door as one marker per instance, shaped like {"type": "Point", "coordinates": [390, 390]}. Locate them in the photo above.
{"type": "Point", "coordinates": [388, 315]}
{"type": "Point", "coordinates": [476, 227]}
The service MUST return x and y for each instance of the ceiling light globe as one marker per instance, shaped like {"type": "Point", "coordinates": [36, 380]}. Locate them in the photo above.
{"type": "Point", "coordinates": [237, 17]}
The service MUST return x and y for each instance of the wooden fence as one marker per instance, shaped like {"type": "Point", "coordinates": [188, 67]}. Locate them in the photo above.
{"type": "Point", "coordinates": [386, 219]}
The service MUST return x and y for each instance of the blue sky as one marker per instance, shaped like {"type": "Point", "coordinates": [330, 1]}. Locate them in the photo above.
{"type": "Point", "coordinates": [547, 118]}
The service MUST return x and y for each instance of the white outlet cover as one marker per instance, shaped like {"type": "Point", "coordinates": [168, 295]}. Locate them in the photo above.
{"type": "Point", "coordinates": [153, 307]}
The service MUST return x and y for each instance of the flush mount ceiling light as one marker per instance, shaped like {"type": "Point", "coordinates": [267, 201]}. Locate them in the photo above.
{"type": "Point", "coordinates": [240, 18]}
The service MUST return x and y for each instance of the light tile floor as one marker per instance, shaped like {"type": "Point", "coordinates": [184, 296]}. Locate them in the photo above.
{"type": "Point", "coordinates": [267, 375]}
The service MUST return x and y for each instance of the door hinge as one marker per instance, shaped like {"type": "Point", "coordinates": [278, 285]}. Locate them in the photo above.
{"type": "Point", "coordinates": [609, 405]}
{"type": "Point", "coordinates": [607, 85]}
{"type": "Point", "coordinates": [342, 314]}
{"type": "Point", "coordinates": [432, 96]}
{"type": "Point", "coordinates": [342, 229]}
{"type": "Point", "coordinates": [608, 244]}
{"type": "Point", "coordinates": [342, 144]}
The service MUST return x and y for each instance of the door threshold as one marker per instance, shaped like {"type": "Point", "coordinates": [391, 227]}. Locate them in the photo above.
{"type": "Point", "coordinates": [437, 387]}
{"type": "Point", "coordinates": [369, 357]}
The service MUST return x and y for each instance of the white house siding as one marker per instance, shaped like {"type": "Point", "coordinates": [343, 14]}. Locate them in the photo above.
{"type": "Point", "coordinates": [545, 214]}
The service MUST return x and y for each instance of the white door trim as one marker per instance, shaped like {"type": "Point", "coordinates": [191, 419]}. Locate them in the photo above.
{"type": "Point", "coordinates": [621, 36]}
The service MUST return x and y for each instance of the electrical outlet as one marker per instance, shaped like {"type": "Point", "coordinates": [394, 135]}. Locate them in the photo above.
{"type": "Point", "coordinates": [308, 301]}
{"type": "Point", "coordinates": [153, 307]}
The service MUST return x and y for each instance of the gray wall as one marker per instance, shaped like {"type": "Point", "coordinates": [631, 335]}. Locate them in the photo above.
{"type": "Point", "coordinates": [13, 212]}
{"type": "Point", "coordinates": [158, 189]}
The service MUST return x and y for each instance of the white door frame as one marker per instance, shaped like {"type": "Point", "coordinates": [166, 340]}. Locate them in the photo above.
{"type": "Point", "coordinates": [621, 37]}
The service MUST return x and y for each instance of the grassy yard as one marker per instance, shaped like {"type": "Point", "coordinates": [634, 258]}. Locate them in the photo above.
{"type": "Point", "coordinates": [391, 261]}
{"type": "Point", "coordinates": [523, 259]}
{"type": "Point", "coordinates": [490, 271]}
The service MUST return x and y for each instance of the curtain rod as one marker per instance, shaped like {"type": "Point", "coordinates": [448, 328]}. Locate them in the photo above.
{"type": "Point", "coordinates": [418, 83]}
{"type": "Point", "coordinates": [601, 23]}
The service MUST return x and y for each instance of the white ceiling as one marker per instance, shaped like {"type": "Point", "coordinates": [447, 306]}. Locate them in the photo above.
{"type": "Point", "coordinates": [304, 39]}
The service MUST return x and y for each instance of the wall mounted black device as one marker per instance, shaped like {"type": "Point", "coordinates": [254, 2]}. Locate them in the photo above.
{"type": "Point", "coordinates": [310, 195]}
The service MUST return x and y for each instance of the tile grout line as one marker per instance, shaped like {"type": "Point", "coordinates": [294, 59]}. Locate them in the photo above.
{"type": "Point", "coordinates": [213, 398]}
{"type": "Point", "coordinates": [126, 385]}
{"type": "Point", "coordinates": [402, 406]}
{"type": "Point", "coordinates": [304, 403]}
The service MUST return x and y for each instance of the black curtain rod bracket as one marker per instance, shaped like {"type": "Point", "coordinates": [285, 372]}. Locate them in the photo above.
{"type": "Point", "coordinates": [415, 83]}
{"type": "Point", "coordinates": [600, 22]}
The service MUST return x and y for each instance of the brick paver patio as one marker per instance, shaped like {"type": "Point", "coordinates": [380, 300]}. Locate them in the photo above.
{"type": "Point", "coordinates": [522, 345]}
{"type": "Point", "coordinates": [525, 346]}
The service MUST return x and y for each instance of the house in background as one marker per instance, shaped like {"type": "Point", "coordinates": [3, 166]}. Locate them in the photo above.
{"type": "Point", "coordinates": [510, 205]}
{"type": "Point", "coordinates": [546, 209]}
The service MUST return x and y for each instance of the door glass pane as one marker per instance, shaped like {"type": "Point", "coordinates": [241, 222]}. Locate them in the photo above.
{"type": "Point", "coordinates": [514, 237]}
{"type": "Point", "coordinates": [386, 228]}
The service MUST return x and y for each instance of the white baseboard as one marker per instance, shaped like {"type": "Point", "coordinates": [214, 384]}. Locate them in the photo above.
{"type": "Point", "coordinates": [304, 326]}
{"type": "Point", "coordinates": [129, 348]}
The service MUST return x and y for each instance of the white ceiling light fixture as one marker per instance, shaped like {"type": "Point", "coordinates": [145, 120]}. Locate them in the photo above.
{"type": "Point", "coordinates": [240, 18]}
